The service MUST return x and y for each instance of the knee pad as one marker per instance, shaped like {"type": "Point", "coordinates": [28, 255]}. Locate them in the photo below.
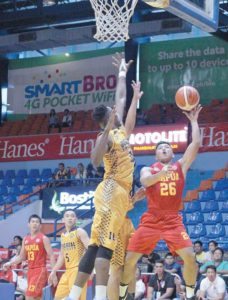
{"type": "Point", "coordinates": [86, 264]}
{"type": "Point", "coordinates": [104, 252]}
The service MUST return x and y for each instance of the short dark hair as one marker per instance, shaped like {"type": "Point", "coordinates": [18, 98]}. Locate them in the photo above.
{"type": "Point", "coordinates": [34, 216]}
{"type": "Point", "coordinates": [18, 237]}
{"type": "Point", "coordinates": [211, 267]}
{"type": "Point", "coordinates": [162, 142]}
{"type": "Point", "coordinates": [220, 249]}
{"type": "Point", "coordinates": [198, 242]}
{"type": "Point", "coordinates": [99, 113]}
{"type": "Point", "coordinates": [160, 261]}
{"type": "Point", "coordinates": [168, 254]}
{"type": "Point", "coordinates": [213, 242]}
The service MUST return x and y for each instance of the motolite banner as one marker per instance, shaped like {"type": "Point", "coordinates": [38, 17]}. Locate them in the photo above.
{"type": "Point", "coordinates": [214, 137]}
{"type": "Point", "coordinates": [78, 82]}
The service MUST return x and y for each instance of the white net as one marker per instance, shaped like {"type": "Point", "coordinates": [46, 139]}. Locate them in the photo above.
{"type": "Point", "coordinates": [112, 19]}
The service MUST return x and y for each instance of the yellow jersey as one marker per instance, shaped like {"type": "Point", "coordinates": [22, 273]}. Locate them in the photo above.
{"type": "Point", "coordinates": [72, 248]}
{"type": "Point", "coordinates": [119, 160]}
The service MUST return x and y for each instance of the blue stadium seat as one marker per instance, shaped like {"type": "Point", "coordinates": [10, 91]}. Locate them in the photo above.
{"type": "Point", "coordinates": [221, 184]}
{"type": "Point", "coordinates": [223, 195]}
{"type": "Point", "coordinates": [27, 189]}
{"type": "Point", "coordinates": [225, 220]}
{"type": "Point", "coordinates": [11, 198]}
{"type": "Point", "coordinates": [46, 173]}
{"type": "Point", "coordinates": [15, 189]}
{"type": "Point", "coordinates": [216, 231]}
{"type": "Point", "coordinates": [19, 180]}
{"type": "Point", "coordinates": [224, 207]}
{"type": "Point", "coordinates": [22, 173]}
{"type": "Point", "coordinates": [10, 174]}
{"type": "Point", "coordinates": [213, 218]}
{"type": "Point", "coordinates": [3, 190]}
{"type": "Point", "coordinates": [195, 218]}
{"type": "Point", "coordinates": [192, 207]}
{"type": "Point", "coordinates": [34, 173]}
{"type": "Point", "coordinates": [198, 231]}
{"type": "Point", "coordinates": [1, 174]}
{"type": "Point", "coordinates": [7, 181]}
{"type": "Point", "coordinates": [2, 201]}
{"type": "Point", "coordinates": [31, 181]}
{"type": "Point", "coordinates": [210, 206]}
{"type": "Point", "coordinates": [208, 195]}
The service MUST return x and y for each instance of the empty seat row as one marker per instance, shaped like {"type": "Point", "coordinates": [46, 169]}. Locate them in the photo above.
{"type": "Point", "coordinates": [35, 173]}
{"type": "Point", "coordinates": [209, 206]}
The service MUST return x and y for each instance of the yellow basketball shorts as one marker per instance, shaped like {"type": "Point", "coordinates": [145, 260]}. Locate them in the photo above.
{"type": "Point", "coordinates": [124, 235]}
{"type": "Point", "coordinates": [66, 282]}
{"type": "Point", "coordinates": [111, 205]}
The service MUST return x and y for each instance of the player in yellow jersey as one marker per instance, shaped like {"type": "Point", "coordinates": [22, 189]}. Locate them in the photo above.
{"type": "Point", "coordinates": [112, 194]}
{"type": "Point", "coordinates": [74, 242]}
{"type": "Point", "coordinates": [118, 257]}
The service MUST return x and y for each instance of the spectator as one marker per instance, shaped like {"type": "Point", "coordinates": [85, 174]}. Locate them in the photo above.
{"type": "Point", "coordinates": [171, 266]}
{"type": "Point", "coordinates": [218, 262]}
{"type": "Point", "coordinates": [180, 288]}
{"type": "Point", "coordinates": [199, 253]}
{"type": "Point", "coordinates": [211, 247]}
{"type": "Point", "coordinates": [212, 287]}
{"type": "Point", "coordinates": [81, 173]}
{"type": "Point", "coordinates": [67, 118]}
{"type": "Point", "coordinates": [62, 175]}
{"type": "Point", "coordinates": [99, 172]}
{"type": "Point", "coordinates": [161, 284]}
{"type": "Point", "coordinates": [90, 171]}
{"type": "Point", "coordinates": [53, 121]}
{"type": "Point", "coordinates": [16, 245]}
{"type": "Point", "coordinates": [150, 261]}
{"type": "Point", "coordinates": [140, 117]}
{"type": "Point", "coordinates": [140, 287]}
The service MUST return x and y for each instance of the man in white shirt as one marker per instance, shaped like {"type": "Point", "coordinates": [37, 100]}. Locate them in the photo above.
{"type": "Point", "coordinates": [212, 287]}
{"type": "Point", "coordinates": [140, 287]}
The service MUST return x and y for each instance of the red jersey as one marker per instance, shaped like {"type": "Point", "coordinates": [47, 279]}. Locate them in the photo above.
{"type": "Point", "coordinates": [35, 251]}
{"type": "Point", "coordinates": [166, 194]}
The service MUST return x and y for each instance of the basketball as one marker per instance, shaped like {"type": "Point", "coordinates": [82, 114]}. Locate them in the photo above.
{"type": "Point", "coordinates": [187, 97]}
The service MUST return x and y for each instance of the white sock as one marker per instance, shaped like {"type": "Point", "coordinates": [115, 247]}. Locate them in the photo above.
{"type": "Point", "coordinates": [101, 292]}
{"type": "Point", "coordinates": [75, 292]}
{"type": "Point", "coordinates": [123, 290]}
{"type": "Point", "coordinates": [189, 291]}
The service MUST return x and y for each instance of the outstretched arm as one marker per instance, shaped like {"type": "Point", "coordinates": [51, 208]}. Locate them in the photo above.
{"type": "Point", "coordinates": [83, 237]}
{"type": "Point", "coordinates": [193, 148]}
{"type": "Point", "coordinates": [121, 91]}
{"type": "Point", "coordinates": [147, 178]}
{"type": "Point", "coordinates": [103, 141]}
{"type": "Point", "coordinates": [131, 115]}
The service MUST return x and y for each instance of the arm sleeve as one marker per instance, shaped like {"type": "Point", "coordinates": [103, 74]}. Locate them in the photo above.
{"type": "Point", "coordinates": [170, 282]}
{"type": "Point", "coordinates": [203, 286]}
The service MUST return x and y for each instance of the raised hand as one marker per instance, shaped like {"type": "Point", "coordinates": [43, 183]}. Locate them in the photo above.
{"type": "Point", "coordinates": [136, 90]}
{"type": "Point", "coordinates": [120, 63]}
{"type": "Point", "coordinates": [194, 113]}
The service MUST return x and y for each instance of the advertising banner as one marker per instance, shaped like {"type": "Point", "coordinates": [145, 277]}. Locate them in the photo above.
{"type": "Point", "coordinates": [214, 137]}
{"type": "Point", "coordinates": [166, 66]}
{"type": "Point", "coordinates": [77, 82]}
{"type": "Point", "coordinates": [58, 199]}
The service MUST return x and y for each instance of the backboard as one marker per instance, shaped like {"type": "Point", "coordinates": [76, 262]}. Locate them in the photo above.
{"type": "Point", "coordinates": [201, 13]}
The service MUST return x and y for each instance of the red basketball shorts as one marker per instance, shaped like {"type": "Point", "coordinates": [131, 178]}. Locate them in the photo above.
{"type": "Point", "coordinates": [37, 280]}
{"type": "Point", "coordinates": [159, 226]}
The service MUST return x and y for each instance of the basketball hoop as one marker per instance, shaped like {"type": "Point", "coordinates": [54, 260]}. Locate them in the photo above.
{"type": "Point", "coordinates": [158, 3]}
{"type": "Point", "coordinates": [112, 19]}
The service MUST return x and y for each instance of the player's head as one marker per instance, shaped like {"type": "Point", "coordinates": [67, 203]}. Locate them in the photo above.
{"type": "Point", "coordinates": [34, 223]}
{"type": "Point", "coordinates": [159, 266]}
{"type": "Point", "coordinates": [211, 272]}
{"type": "Point", "coordinates": [164, 152]}
{"type": "Point", "coordinates": [69, 218]}
{"type": "Point", "coordinates": [101, 115]}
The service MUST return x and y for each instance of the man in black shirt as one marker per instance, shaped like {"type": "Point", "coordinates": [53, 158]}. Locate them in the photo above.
{"type": "Point", "coordinates": [161, 285]}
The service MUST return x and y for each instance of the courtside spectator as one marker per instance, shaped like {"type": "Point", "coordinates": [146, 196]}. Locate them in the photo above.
{"type": "Point", "coordinates": [67, 119]}
{"type": "Point", "coordinates": [53, 121]}
{"type": "Point", "coordinates": [212, 287]}
{"type": "Point", "coordinates": [62, 175]}
{"type": "Point", "coordinates": [81, 172]}
{"type": "Point", "coordinates": [199, 253]}
{"type": "Point", "coordinates": [211, 247]}
{"type": "Point", "coordinates": [218, 262]}
{"type": "Point", "coordinates": [16, 245]}
{"type": "Point", "coordinates": [161, 284]}
{"type": "Point", "coordinates": [150, 260]}
{"type": "Point", "coordinates": [171, 266]}
{"type": "Point", "coordinates": [140, 287]}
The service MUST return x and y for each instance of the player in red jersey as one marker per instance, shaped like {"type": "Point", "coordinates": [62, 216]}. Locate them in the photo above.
{"type": "Point", "coordinates": [164, 183]}
{"type": "Point", "coordinates": [35, 249]}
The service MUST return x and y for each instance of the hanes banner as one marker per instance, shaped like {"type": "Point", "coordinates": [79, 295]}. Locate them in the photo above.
{"type": "Point", "coordinates": [214, 137]}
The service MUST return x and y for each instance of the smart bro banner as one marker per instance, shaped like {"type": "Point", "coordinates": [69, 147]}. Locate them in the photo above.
{"type": "Point", "coordinates": [214, 137]}
{"type": "Point", "coordinates": [79, 82]}
{"type": "Point", "coordinates": [166, 66]}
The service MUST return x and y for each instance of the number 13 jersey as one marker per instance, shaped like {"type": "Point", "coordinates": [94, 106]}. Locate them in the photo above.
{"type": "Point", "coordinates": [166, 194]}
{"type": "Point", "coordinates": [35, 251]}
